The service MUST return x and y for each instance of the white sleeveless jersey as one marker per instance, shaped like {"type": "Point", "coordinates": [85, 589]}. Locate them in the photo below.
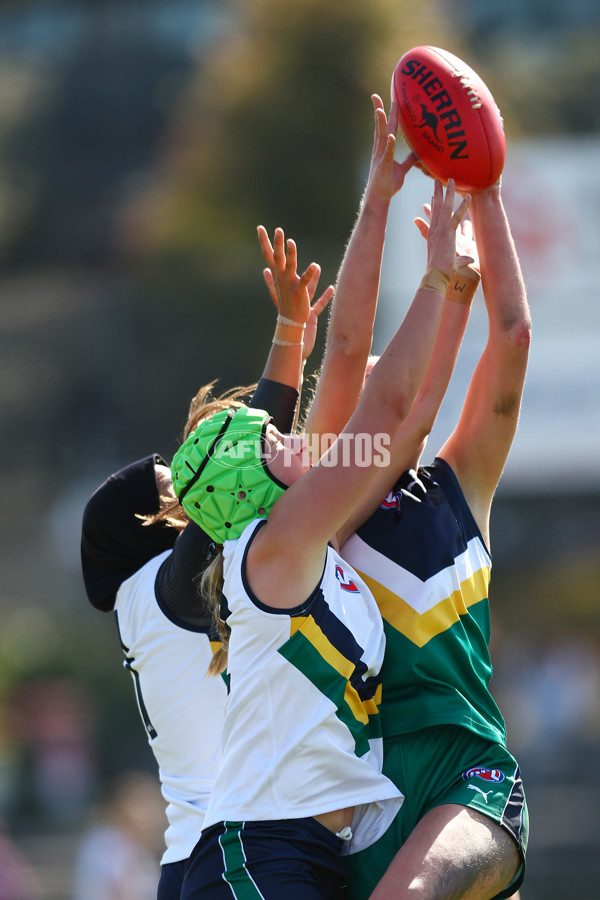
{"type": "Point", "coordinates": [302, 733]}
{"type": "Point", "coordinates": [181, 707]}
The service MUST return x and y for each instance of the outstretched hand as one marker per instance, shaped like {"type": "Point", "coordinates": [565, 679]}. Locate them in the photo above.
{"type": "Point", "coordinates": [466, 248]}
{"type": "Point", "coordinates": [386, 176]}
{"type": "Point", "coordinates": [291, 293]}
{"type": "Point", "coordinates": [310, 332]}
{"type": "Point", "coordinates": [441, 230]}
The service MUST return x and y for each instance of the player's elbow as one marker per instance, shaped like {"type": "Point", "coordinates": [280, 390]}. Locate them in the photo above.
{"type": "Point", "coordinates": [520, 334]}
{"type": "Point", "coordinates": [514, 334]}
{"type": "Point", "coordinates": [399, 406]}
{"type": "Point", "coordinates": [419, 424]}
{"type": "Point", "coordinates": [351, 344]}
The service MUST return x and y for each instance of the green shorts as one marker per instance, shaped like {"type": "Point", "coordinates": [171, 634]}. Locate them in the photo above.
{"type": "Point", "coordinates": [444, 764]}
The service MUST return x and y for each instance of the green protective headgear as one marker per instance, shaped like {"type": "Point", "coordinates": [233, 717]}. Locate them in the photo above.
{"type": "Point", "coordinates": [220, 476]}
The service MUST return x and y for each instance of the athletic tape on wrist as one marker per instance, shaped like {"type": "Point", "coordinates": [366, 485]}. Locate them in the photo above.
{"type": "Point", "coordinates": [285, 321]}
{"type": "Point", "coordinates": [435, 280]}
{"type": "Point", "coordinates": [281, 343]}
{"type": "Point", "coordinates": [463, 285]}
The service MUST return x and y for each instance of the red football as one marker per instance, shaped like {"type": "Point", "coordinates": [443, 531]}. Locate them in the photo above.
{"type": "Point", "coordinates": [449, 118]}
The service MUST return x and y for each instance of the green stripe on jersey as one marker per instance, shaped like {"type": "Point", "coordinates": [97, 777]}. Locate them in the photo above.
{"type": "Point", "coordinates": [443, 682]}
{"type": "Point", "coordinates": [235, 873]}
{"type": "Point", "coordinates": [304, 656]}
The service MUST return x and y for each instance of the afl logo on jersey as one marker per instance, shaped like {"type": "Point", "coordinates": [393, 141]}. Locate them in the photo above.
{"type": "Point", "coordinates": [494, 775]}
{"type": "Point", "coordinates": [345, 583]}
{"type": "Point", "coordinates": [392, 501]}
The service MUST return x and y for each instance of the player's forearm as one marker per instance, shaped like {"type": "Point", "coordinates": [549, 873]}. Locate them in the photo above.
{"type": "Point", "coordinates": [355, 303]}
{"type": "Point", "coordinates": [350, 331]}
{"type": "Point", "coordinates": [279, 400]}
{"type": "Point", "coordinates": [441, 366]}
{"type": "Point", "coordinates": [400, 371]}
{"type": "Point", "coordinates": [405, 361]}
{"type": "Point", "coordinates": [284, 362]}
{"type": "Point", "coordinates": [502, 279]}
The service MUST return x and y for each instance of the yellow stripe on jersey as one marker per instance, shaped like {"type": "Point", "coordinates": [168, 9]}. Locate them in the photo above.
{"type": "Point", "coordinates": [296, 624]}
{"type": "Point", "coordinates": [422, 627]}
{"type": "Point", "coordinates": [361, 710]}
{"type": "Point", "coordinates": [372, 705]}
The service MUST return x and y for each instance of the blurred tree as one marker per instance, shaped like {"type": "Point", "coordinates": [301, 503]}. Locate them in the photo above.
{"type": "Point", "coordinates": [276, 129]}
{"type": "Point", "coordinates": [539, 57]}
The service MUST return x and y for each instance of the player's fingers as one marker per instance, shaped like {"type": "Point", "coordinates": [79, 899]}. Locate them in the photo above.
{"type": "Point", "coordinates": [377, 113]}
{"type": "Point", "coordinates": [291, 257]}
{"type": "Point", "coordinates": [310, 273]}
{"type": "Point", "coordinates": [423, 226]}
{"type": "Point", "coordinates": [265, 245]}
{"type": "Point", "coordinates": [312, 284]}
{"type": "Point", "coordinates": [279, 250]}
{"type": "Point", "coordinates": [381, 132]}
{"type": "Point", "coordinates": [268, 276]}
{"type": "Point", "coordinates": [320, 304]}
{"type": "Point", "coordinates": [377, 101]}
{"type": "Point", "coordinates": [390, 146]}
{"type": "Point", "coordinates": [436, 201]}
{"type": "Point", "coordinates": [449, 198]}
{"type": "Point", "coordinates": [408, 162]}
{"type": "Point", "coordinates": [461, 211]}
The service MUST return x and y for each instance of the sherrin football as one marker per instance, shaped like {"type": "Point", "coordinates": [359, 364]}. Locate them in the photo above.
{"type": "Point", "coordinates": [449, 118]}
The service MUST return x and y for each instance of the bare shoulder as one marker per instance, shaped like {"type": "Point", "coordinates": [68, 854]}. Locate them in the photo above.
{"type": "Point", "coordinates": [282, 570]}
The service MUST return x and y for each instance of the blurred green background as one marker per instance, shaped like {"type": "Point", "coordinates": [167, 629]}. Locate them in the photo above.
{"type": "Point", "coordinates": [140, 145]}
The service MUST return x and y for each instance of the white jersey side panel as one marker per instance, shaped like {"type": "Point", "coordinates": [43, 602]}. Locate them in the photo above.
{"type": "Point", "coordinates": [182, 709]}
{"type": "Point", "coordinates": [302, 729]}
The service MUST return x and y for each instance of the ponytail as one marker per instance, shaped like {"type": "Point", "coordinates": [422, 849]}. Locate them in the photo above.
{"type": "Point", "coordinates": [211, 583]}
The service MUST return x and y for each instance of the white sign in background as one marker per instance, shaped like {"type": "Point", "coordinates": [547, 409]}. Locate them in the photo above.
{"type": "Point", "coordinates": [551, 191]}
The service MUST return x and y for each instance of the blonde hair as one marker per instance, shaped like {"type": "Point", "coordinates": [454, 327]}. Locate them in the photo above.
{"type": "Point", "coordinates": [211, 583]}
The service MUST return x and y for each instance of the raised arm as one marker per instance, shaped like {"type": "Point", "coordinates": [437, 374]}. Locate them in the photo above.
{"type": "Point", "coordinates": [350, 331]}
{"type": "Point", "coordinates": [286, 557]}
{"type": "Point", "coordinates": [412, 434]}
{"type": "Point", "coordinates": [295, 329]}
{"type": "Point", "coordinates": [479, 446]}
